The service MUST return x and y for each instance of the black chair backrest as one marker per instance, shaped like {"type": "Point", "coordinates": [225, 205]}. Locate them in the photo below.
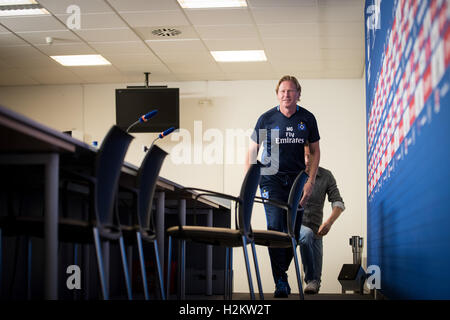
{"type": "Point", "coordinates": [294, 219]}
{"type": "Point", "coordinates": [110, 158]}
{"type": "Point", "coordinates": [247, 196]}
{"type": "Point", "coordinates": [147, 177]}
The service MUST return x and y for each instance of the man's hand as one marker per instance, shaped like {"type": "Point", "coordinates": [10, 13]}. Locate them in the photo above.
{"type": "Point", "coordinates": [324, 228]}
{"type": "Point", "coordinates": [307, 191]}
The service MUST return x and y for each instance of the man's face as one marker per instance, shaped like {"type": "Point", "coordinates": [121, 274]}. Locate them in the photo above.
{"type": "Point", "coordinates": [307, 154]}
{"type": "Point", "coordinates": [287, 94]}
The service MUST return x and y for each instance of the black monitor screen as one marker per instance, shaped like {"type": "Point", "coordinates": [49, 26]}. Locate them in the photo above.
{"type": "Point", "coordinates": [131, 104]}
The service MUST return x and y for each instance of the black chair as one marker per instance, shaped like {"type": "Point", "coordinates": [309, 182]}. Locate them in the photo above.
{"type": "Point", "coordinates": [102, 184]}
{"type": "Point", "coordinates": [143, 227]}
{"type": "Point", "coordinates": [276, 239]}
{"type": "Point", "coordinates": [225, 237]}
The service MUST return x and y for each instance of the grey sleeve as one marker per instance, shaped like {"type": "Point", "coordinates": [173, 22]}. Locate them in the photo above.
{"type": "Point", "coordinates": [333, 193]}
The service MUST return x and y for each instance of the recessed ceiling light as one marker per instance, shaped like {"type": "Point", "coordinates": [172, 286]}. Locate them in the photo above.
{"type": "Point", "coordinates": [21, 8]}
{"type": "Point", "coordinates": [197, 4]}
{"type": "Point", "coordinates": [81, 60]}
{"type": "Point", "coordinates": [239, 56]}
{"type": "Point", "coordinates": [16, 2]}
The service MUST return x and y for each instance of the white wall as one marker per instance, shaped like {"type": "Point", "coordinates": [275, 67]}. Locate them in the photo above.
{"type": "Point", "coordinates": [339, 106]}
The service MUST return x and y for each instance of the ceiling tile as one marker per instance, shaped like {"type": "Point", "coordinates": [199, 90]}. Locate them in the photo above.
{"type": "Point", "coordinates": [341, 14]}
{"type": "Point", "coordinates": [131, 59]}
{"type": "Point", "coordinates": [340, 43]}
{"type": "Point", "coordinates": [107, 35]}
{"type": "Point", "coordinates": [182, 46]}
{"type": "Point", "coordinates": [138, 79]}
{"type": "Point", "coordinates": [144, 5]}
{"type": "Point", "coordinates": [227, 31]}
{"type": "Point", "coordinates": [19, 51]}
{"type": "Point", "coordinates": [59, 37]}
{"type": "Point", "coordinates": [194, 67]}
{"type": "Point", "coordinates": [340, 3]}
{"type": "Point", "coordinates": [30, 61]}
{"type": "Point", "coordinates": [96, 20]}
{"type": "Point", "coordinates": [290, 46]}
{"type": "Point", "coordinates": [32, 23]}
{"type": "Point", "coordinates": [285, 15]}
{"type": "Point", "coordinates": [301, 65]}
{"type": "Point", "coordinates": [337, 29]}
{"type": "Point", "coordinates": [52, 75]}
{"type": "Point", "coordinates": [282, 3]}
{"type": "Point", "coordinates": [140, 69]}
{"type": "Point", "coordinates": [241, 67]}
{"type": "Point", "coordinates": [155, 18]}
{"type": "Point", "coordinates": [98, 73]}
{"type": "Point", "coordinates": [234, 44]}
{"type": "Point", "coordinates": [4, 30]}
{"type": "Point", "coordinates": [126, 47]}
{"type": "Point", "coordinates": [289, 30]}
{"type": "Point", "coordinates": [330, 54]}
{"type": "Point", "coordinates": [219, 16]}
{"type": "Point", "coordinates": [252, 76]}
{"type": "Point", "coordinates": [10, 39]}
{"type": "Point", "coordinates": [186, 57]}
{"type": "Point", "coordinates": [292, 54]}
{"type": "Point", "coordinates": [202, 77]}
{"type": "Point", "coordinates": [65, 49]}
{"type": "Point", "coordinates": [313, 38]}
{"type": "Point", "coordinates": [86, 6]}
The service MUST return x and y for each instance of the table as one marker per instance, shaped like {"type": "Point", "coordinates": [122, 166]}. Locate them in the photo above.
{"type": "Point", "coordinates": [24, 141]}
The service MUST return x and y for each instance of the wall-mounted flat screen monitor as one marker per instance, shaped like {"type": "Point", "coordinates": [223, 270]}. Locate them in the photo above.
{"type": "Point", "coordinates": [132, 103]}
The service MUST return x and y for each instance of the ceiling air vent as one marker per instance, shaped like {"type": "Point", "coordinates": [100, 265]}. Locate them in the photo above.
{"type": "Point", "coordinates": [166, 32]}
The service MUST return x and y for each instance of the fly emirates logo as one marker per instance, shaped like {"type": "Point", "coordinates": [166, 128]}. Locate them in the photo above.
{"type": "Point", "coordinates": [289, 137]}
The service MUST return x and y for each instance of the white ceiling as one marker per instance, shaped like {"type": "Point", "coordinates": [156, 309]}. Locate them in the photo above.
{"type": "Point", "coordinates": [306, 38]}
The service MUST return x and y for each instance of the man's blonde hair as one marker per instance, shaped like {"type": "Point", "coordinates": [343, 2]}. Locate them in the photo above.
{"type": "Point", "coordinates": [293, 80]}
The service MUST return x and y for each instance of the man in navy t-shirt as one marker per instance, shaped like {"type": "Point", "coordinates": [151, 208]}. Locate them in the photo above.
{"type": "Point", "coordinates": [282, 132]}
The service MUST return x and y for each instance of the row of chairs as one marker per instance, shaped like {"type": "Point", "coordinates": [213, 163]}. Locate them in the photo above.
{"type": "Point", "coordinates": [103, 223]}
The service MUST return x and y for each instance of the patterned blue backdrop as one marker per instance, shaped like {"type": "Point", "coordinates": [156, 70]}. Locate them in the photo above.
{"type": "Point", "coordinates": [408, 153]}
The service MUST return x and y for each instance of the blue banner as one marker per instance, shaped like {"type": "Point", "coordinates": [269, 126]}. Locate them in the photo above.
{"type": "Point", "coordinates": [408, 154]}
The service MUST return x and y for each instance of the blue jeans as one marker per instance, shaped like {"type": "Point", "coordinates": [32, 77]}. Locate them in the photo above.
{"type": "Point", "coordinates": [311, 250]}
{"type": "Point", "coordinates": [277, 187]}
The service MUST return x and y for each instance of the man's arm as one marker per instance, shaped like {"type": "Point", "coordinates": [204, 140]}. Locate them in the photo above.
{"type": "Point", "coordinates": [337, 204]}
{"type": "Point", "coordinates": [314, 159]}
{"type": "Point", "coordinates": [326, 226]}
{"type": "Point", "coordinates": [251, 155]}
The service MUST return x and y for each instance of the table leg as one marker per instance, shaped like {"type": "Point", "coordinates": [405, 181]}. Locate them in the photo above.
{"type": "Point", "coordinates": [51, 226]}
{"type": "Point", "coordinates": [209, 257]}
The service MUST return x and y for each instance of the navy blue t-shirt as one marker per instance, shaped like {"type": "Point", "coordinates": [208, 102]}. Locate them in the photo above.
{"type": "Point", "coordinates": [293, 133]}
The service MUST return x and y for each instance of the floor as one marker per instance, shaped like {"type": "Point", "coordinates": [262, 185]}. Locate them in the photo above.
{"type": "Point", "coordinates": [269, 296]}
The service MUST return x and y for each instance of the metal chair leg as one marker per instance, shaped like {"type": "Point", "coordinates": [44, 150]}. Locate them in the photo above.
{"type": "Point", "coordinates": [230, 275]}
{"type": "Point", "coordinates": [125, 268]}
{"type": "Point", "coordinates": [297, 269]}
{"type": "Point", "coordinates": [1, 261]}
{"type": "Point", "coordinates": [247, 265]}
{"type": "Point", "coordinates": [225, 284]}
{"type": "Point", "coordinates": [160, 274]}
{"type": "Point", "coordinates": [141, 260]}
{"type": "Point", "coordinates": [101, 270]}
{"type": "Point", "coordinates": [258, 277]}
{"type": "Point", "coordinates": [29, 258]}
{"type": "Point", "coordinates": [183, 270]}
{"type": "Point", "coordinates": [169, 268]}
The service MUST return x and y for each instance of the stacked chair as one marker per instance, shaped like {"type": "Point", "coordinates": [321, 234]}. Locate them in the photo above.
{"type": "Point", "coordinates": [143, 226]}
{"type": "Point", "coordinates": [102, 223]}
{"type": "Point", "coordinates": [294, 215]}
{"type": "Point", "coordinates": [225, 237]}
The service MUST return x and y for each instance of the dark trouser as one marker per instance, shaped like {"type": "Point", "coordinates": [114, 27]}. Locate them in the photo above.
{"type": "Point", "coordinates": [277, 187]}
